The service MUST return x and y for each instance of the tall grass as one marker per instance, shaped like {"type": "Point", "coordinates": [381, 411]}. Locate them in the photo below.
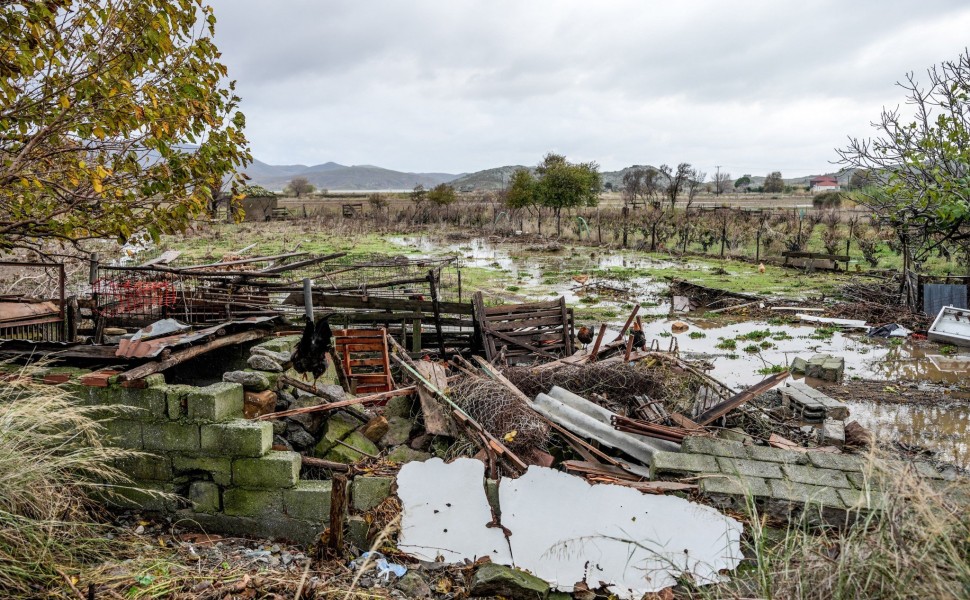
{"type": "Point", "coordinates": [51, 460]}
{"type": "Point", "coordinates": [914, 542]}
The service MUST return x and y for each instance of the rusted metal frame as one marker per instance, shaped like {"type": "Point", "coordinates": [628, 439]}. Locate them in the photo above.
{"type": "Point", "coordinates": [184, 355]}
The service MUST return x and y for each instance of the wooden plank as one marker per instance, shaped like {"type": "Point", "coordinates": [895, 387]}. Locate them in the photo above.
{"type": "Point", "coordinates": [682, 421]}
{"type": "Point", "coordinates": [437, 417]}
{"type": "Point", "coordinates": [366, 362]}
{"type": "Point", "coordinates": [513, 309]}
{"type": "Point", "coordinates": [542, 322]}
{"type": "Point", "coordinates": [525, 314]}
{"type": "Point", "coordinates": [567, 334]}
{"type": "Point", "coordinates": [718, 411]}
{"type": "Point", "coordinates": [517, 342]}
{"type": "Point", "coordinates": [322, 300]}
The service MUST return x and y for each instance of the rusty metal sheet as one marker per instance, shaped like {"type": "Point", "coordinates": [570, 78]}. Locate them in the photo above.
{"type": "Point", "coordinates": [154, 347]}
{"type": "Point", "coordinates": [16, 311]}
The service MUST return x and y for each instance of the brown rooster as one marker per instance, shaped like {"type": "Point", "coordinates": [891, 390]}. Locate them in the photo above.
{"type": "Point", "coordinates": [639, 338]}
{"type": "Point", "coordinates": [584, 335]}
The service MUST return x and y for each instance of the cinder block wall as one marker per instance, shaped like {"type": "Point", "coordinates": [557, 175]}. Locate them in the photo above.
{"type": "Point", "coordinates": [212, 467]}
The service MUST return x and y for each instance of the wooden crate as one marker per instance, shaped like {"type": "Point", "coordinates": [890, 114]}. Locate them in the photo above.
{"type": "Point", "coordinates": [364, 359]}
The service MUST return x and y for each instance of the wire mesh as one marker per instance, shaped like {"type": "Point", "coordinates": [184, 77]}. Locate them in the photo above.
{"type": "Point", "coordinates": [32, 300]}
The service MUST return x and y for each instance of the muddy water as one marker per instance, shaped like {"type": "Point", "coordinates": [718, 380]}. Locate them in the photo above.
{"type": "Point", "coordinates": [942, 427]}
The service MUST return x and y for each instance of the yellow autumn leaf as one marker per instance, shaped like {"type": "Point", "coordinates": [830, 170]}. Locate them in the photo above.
{"type": "Point", "coordinates": [96, 184]}
{"type": "Point", "coordinates": [510, 436]}
{"type": "Point", "coordinates": [65, 102]}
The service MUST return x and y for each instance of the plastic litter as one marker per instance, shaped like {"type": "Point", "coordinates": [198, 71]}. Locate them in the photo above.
{"type": "Point", "coordinates": [384, 568]}
{"type": "Point", "coordinates": [889, 330]}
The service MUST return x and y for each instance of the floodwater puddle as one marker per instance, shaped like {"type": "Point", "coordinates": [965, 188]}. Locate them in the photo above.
{"type": "Point", "coordinates": [742, 353]}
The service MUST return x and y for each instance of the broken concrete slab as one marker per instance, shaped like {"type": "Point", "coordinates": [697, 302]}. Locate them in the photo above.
{"type": "Point", "coordinates": [506, 582]}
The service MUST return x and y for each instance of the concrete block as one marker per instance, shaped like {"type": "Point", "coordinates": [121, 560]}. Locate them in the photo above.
{"type": "Point", "coordinates": [815, 476]}
{"type": "Point", "coordinates": [260, 362]}
{"type": "Point", "coordinates": [368, 492]}
{"type": "Point", "coordinates": [803, 493]}
{"type": "Point", "coordinates": [354, 449]}
{"type": "Point", "coordinates": [498, 580]}
{"type": "Point", "coordinates": [734, 485]}
{"type": "Point", "coordinates": [218, 468]}
{"type": "Point", "coordinates": [156, 496]}
{"type": "Point", "coordinates": [398, 431]}
{"type": "Point", "coordinates": [123, 433]}
{"type": "Point", "coordinates": [147, 467]}
{"type": "Point", "coordinates": [859, 480]}
{"type": "Point", "coordinates": [148, 404]}
{"type": "Point", "coordinates": [839, 462]}
{"type": "Point", "coordinates": [176, 398]}
{"type": "Point", "coordinates": [216, 403]}
{"type": "Point", "coordinates": [776, 455]}
{"type": "Point", "coordinates": [358, 532]}
{"type": "Point", "coordinates": [277, 469]}
{"type": "Point", "coordinates": [338, 427]}
{"type": "Point", "coordinates": [404, 454]}
{"type": "Point", "coordinates": [833, 433]}
{"type": "Point", "coordinates": [798, 365]}
{"type": "Point", "coordinates": [254, 381]}
{"type": "Point", "coordinates": [252, 503]}
{"type": "Point", "coordinates": [749, 468]}
{"type": "Point", "coordinates": [678, 463]}
{"type": "Point", "coordinates": [308, 501]}
{"type": "Point", "coordinates": [280, 344]}
{"type": "Point", "coordinates": [172, 437]}
{"type": "Point", "coordinates": [237, 438]}
{"type": "Point", "coordinates": [204, 496]}
{"type": "Point", "coordinates": [862, 499]}
{"type": "Point", "coordinates": [265, 527]}
{"type": "Point", "coordinates": [927, 470]}
{"type": "Point", "coordinates": [707, 445]}
{"type": "Point", "coordinates": [399, 406]}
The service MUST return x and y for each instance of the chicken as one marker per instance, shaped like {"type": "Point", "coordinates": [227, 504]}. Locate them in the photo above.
{"type": "Point", "coordinates": [761, 268]}
{"type": "Point", "coordinates": [581, 279]}
{"type": "Point", "coordinates": [310, 355]}
{"type": "Point", "coordinates": [584, 335]}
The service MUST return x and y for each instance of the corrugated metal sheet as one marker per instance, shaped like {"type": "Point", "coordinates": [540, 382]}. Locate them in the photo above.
{"type": "Point", "coordinates": [154, 347]}
{"type": "Point", "coordinates": [938, 295]}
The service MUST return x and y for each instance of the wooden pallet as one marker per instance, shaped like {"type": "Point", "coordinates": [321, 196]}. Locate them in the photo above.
{"type": "Point", "coordinates": [364, 359]}
{"type": "Point", "coordinates": [537, 330]}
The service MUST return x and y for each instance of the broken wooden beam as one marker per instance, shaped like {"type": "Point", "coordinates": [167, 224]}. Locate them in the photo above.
{"type": "Point", "coordinates": [184, 355]}
{"type": "Point", "coordinates": [716, 412]}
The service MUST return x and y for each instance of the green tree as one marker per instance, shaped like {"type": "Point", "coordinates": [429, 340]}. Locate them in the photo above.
{"type": "Point", "coordinates": [564, 185]}
{"type": "Point", "coordinates": [418, 195]}
{"type": "Point", "coordinates": [442, 195]}
{"type": "Point", "coordinates": [115, 117]}
{"type": "Point", "coordinates": [922, 162]}
{"type": "Point", "coordinates": [300, 186]}
{"type": "Point", "coordinates": [774, 184]}
{"type": "Point", "coordinates": [742, 182]}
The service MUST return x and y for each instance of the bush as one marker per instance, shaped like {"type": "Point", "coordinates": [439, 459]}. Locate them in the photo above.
{"type": "Point", "coordinates": [827, 200]}
{"type": "Point", "coordinates": [50, 462]}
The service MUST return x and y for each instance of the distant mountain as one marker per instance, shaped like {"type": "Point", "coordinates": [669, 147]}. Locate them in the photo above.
{"type": "Point", "coordinates": [487, 180]}
{"type": "Point", "coordinates": [334, 176]}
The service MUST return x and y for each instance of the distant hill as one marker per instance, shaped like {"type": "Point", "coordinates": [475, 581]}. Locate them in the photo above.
{"type": "Point", "coordinates": [334, 176]}
{"type": "Point", "coordinates": [487, 180]}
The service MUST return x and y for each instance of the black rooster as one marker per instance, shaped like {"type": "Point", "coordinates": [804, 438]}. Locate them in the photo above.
{"type": "Point", "coordinates": [310, 355]}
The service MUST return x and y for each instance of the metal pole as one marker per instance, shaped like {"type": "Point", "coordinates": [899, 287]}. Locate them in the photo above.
{"type": "Point", "coordinates": [308, 298]}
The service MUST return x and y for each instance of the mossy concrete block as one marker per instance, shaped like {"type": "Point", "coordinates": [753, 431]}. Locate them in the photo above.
{"type": "Point", "coordinates": [798, 365]}
{"type": "Point", "coordinates": [252, 503]}
{"type": "Point", "coordinates": [237, 438]}
{"type": "Point", "coordinates": [337, 427]}
{"type": "Point", "coordinates": [216, 403]}
{"type": "Point", "coordinates": [218, 468]}
{"type": "Point", "coordinates": [154, 496]}
{"type": "Point", "coordinates": [803, 493]}
{"type": "Point", "coordinates": [677, 463]}
{"type": "Point", "coordinates": [368, 492]}
{"type": "Point", "coordinates": [839, 462]}
{"type": "Point", "coordinates": [177, 399]}
{"type": "Point", "coordinates": [309, 501]}
{"type": "Point", "coordinates": [498, 580]}
{"type": "Point", "coordinates": [172, 437]}
{"type": "Point", "coordinates": [862, 500]}
{"type": "Point", "coordinates": [148, 404]}
{"type": "Point", "coordinates": [204, 496]}
{"type": "Point", "coordinates": [146, 467]}
{"type": "Point", "coordinates": [749, 468]}
{"type": "Point", "coordinates": [398, 431]}
{"type": "Point", "coordinates": [707, 445]}
{"type": "Point", "coordinates": [277, 469]}
{"type": "Point", "coordinates": [358, 532]}
{"type": "Point", "coordinates": [776, 455]}
{"type": "Point", "coordinates": [123, 433]}
{"type": "Point", "coordinates": [734, 485]}
{"type": "Point", "coordinates": [280, 344]}
{"type": "Point", "coordinates": [265, 527]}
{"type": "Point", "coordinates": [399, 406]}
{"type": "Point", "coordinates": [815, 476]}
{"type": "Point", "coordinates": [255, 381]}
{"type": "Point", "coordinates": [405, 454]}
{"type": "Point", "coordinates": [927, 470]}
{"type": "Point", "coordinates": [355, 448]}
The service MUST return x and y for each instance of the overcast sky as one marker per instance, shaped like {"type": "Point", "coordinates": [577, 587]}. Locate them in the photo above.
{"type": "Point", "coordinates": [464, 85]}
